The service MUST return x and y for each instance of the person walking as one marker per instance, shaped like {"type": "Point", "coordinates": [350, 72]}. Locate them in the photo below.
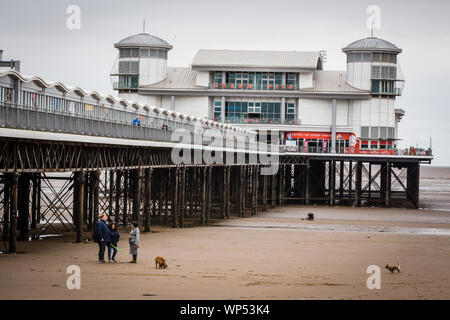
{"type": "Point", "coordinates": [134, 241]}
{"type": "Point", "coordinates": [112, 245]}
{"type": "Point", "coordinates": [102, 236]}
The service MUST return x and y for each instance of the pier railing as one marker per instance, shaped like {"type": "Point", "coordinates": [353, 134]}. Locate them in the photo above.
{"type": "Point", "coordinates": [20, 116]}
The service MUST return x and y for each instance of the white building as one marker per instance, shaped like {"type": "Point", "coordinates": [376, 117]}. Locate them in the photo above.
{"type": "Point", "coordinates": [286, 91]}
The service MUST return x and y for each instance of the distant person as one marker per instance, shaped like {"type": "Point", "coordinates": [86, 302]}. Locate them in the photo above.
{"type": "Point", "coordinates": [102, 236]}
{"type": "Point", "coordinates": [134, 241]}
{"type": "Point", "coordinates": [112, 245]}
{"type": "Point", "coordinates": [164, 126]}
{"type": "Point", "coordinates": [137, 121]}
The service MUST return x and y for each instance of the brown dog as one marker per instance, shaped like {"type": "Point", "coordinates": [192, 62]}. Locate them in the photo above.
{"type": "Point", "coordinates": [393, 268]}
{"type": "Point", "coordinates": [161, 262]}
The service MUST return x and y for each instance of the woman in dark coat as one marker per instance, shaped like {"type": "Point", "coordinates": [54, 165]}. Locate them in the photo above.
{"type": "Point", "coordinates": [112, 245]}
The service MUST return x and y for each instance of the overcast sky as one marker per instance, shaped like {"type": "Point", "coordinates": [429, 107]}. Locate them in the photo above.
{"type": "Point", "coordinates": [35, 32]}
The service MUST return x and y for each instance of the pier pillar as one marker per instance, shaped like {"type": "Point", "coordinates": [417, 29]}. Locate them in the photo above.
{"type": "Point", "coordinates": [166, 172]}
{"type": "Point", "coordinates": [358, 180]}
{"type": "Point", "coordinates": [264, 195]}
{"type": "Point", "coordinates": [13, 192]}
{"type": "Point", "coordinates": [209, 195]}
{"type": "Point", "coordinates": [280, 180]}
{"type": "Point", "coordinates": [126, 179]}
{"type": "Point", "coordinates": [136, 183]}
{"type": "Point", "coordinates": [118, 194]}
{"type": "Point", "coordinates": [341, 179]}
{"type": "Point", "coordinates": [307, 184]}
{"type": "Point", "coordinates": [332, 181]}
{"type": "Point", "coordinates": [387, 197]}
{"type": "Point", "coordinates": [350, 181]}
{"type": "Point", "coordinates": [93, 208]}
{"type": "Point", "coordinates": [183, 196]}
{"type": "Point", "coordinates": [78, 203]}
{"type": "Point", "coordinates": [317, 180]}
{"type": "Point", "coordinates": [227, 190]}
{"type": "Point", "coordinates": [241, 190]}
{"type": "Point", "coordinates": [35, 194]}
{"type": "Point", "coordinates": [175, 190]}
{"type": "Point", "coordinates": [110, 194]}
{"type": "Point", "coordinates": [203, 196]}
{"type": "Point", "coordinates": [157, 180]}
{"type": "Point", "coordinates": [24, 206]}
{"type": "Point", "coordinates": [147, 198]}
{"type": "Point", "coordinates": [273, 189]}
{"type": "Point", "coordinates": [412, 183]}
{"type": "Point", "coordinates": [254, 177]}
{"type": "Point", "coordinates": [6, 205]}
{"type": "Point", "coordinates": [191, 190]}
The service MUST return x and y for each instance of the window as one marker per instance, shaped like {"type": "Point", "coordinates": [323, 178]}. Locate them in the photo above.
{"type": "Point", "coordinates": [144, 53]}
{"type": "Point", "coordinates": [374, 132]}
{"type": "Point", "coordinates": [291, 80]}
{"type": "Point", "coordinates": [129, 67]}
{"type": "Point", "coordinates": [364, 144]}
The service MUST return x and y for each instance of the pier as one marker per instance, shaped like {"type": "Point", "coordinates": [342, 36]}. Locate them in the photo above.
{"type": "Point", "coordinates": [67, 166]}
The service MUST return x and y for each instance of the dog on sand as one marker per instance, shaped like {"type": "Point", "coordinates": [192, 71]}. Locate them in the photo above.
{"type": "Point", "coordinates": [393, 268]}
{"type": "Point", "coordinates": [160, 262]}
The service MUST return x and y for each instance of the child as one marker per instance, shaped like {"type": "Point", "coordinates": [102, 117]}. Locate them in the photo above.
{"type": "Point", "coordinates": [114, 239]}
{"type": "Point", "coordinates": [134, 241]}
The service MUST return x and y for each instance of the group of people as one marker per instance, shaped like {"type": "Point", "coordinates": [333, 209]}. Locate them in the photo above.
{"type": "Point", "coordinates": [107, 236]}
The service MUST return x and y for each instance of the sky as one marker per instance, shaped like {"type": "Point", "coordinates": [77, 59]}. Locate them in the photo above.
{"type": "Point", "coordinates": [36, 33]}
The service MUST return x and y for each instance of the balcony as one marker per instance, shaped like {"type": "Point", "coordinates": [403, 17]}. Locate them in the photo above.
{"type": "Point", "coordinates": [250, 86]}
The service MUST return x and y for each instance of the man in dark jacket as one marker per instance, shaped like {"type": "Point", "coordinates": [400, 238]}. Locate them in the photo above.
{"type": "Point", "coordinates": [102, 236]}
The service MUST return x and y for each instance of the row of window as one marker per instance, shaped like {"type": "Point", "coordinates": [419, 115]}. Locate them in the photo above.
{"type": "Point", "coordinates": [378, 132]}
{"type": "Point", "coordinates": [371, 57]}
{"type": "Point", "coordinates": [238, 111]}
{"type": "Point", "coordinates": [376, 145]}
{"type": "Point", "coordinates": [384, 72]}
{"type": "Point", "coordinates": [143, 53]}
{"type": "Point", "coordinates": [254, 80]}
{"type": "Point", "coordinates": [384, 87]}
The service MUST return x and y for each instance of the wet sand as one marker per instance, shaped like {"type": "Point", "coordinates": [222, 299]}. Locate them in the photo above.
{"type": "Point", "coordinates": [274, 255]}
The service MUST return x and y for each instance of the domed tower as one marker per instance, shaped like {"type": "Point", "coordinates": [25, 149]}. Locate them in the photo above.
{"type": "Point", "coordinates": [142, 60]}
{"type": "Point", "coordinates": [370, 61]}
{"type": "Point", "coordinates": [372, 65]}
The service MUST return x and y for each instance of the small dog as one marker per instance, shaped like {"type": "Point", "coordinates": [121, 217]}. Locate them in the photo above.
{"type": "Point", "coordinates": [393, 268]}
{"type": "Point", "coordinates": [309, 217]}
{"type": "Point", "coordinates": [161, 262]}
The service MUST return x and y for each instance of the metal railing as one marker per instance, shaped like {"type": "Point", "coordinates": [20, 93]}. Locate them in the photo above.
{"type": "Point", "coordinates": [41, 119]}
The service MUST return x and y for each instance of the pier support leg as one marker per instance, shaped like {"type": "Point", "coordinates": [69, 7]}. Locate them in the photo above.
{"type": "Point", "coordinates": [118, 194]}
{"type": "Point", "coordinates": [110, 194]}
{"type": "Point", "coordinates": [209, 196]}
{"type": "Point", "coordinates": [332, 181]}
{"type": "Point", "coordinates": [358, 180]}
{"type": "Point", "coordinates": [13, 192]}
{"type": "Point", "coordinates": [387, 197]}
{"type": "Point", "coordinates": [34, 200]}
{"type": "Point", "coordinates": [412, 183]}
{"type": "Point", "coordinates": [174, 204]}
{"type": "Point", "coordinates": [264, 195]}
{"type": "Point", "coordinates": [308, 184]}
{"type": "Point", "coordinates": [147, 198]}
{"type": "Point", "coordinates": [126, 180]}
{"type": "Point", "coordinates": [78, 203]}
{"type": "Point", "coordinates": [203, 194]}
{"type": "Point", "coordinates": [227, 191]}
{"type": "Point", "coordinates": [6, 206]}
{"type": "Point", "coordinates": [341, 179]}
{"type": "Point", "coordinates": [183, 196]}
{"type": "Point", "coordinates": [136, 183]}
{"type": "Point", "coordinates": [24, 206]}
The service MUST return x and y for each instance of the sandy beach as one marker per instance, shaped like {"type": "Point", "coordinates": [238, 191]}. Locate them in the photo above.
{"type": "Point", "coordinates": [274, 255]}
